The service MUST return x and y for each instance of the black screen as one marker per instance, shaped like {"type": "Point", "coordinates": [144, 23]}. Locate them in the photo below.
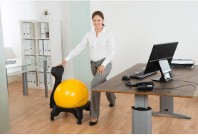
{"type": "Point", "coordinates": [160, 52]}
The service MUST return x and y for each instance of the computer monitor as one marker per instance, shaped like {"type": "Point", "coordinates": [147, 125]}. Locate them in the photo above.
{"type": "Point", "coordinates": [160, 59]}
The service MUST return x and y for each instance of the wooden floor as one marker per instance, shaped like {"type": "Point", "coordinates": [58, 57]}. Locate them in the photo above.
{"type": "Point", "coordinates": [31, 115]}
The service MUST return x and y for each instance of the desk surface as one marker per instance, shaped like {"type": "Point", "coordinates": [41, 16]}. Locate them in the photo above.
{"type": "Point", "coordinates": [117, 85]}
{"type": "Point", "coordinates": [11, 67]}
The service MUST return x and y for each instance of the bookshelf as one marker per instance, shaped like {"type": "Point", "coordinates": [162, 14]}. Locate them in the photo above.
{"type": "Point", "coordinates": [52, 35]}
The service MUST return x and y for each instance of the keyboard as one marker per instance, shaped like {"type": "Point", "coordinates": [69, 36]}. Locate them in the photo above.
{"type": "Point", "coordinates": [141, 75]}
{"type": "Point", "coordinates": [10, 62]}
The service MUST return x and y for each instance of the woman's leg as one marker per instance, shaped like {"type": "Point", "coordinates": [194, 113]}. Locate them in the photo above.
{"type": "Point", "coordinates": [111, 98]}
{"type": "Point", "coordinates": [95, 96]}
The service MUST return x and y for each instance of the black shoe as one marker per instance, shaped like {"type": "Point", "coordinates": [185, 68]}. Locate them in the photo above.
{"type": "Point", "coordinates": [93, 123]}
{"type": "Point", "coordinates": [111, 105]}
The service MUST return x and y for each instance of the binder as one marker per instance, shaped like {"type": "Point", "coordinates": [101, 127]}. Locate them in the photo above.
{"type": "Point", "coordinates": [29, 60]}
{"type": "Point", "coordinates": [41, 47]}
{"type": "Point", "coordinates": [28, 78]}
{"type": "Point", "coordinates": [26, 60]}
{"type": "Point", "coordinates": [48, 65]}
{"type": "Point", "coordinates": [29, 30]}
{"type": "Point", "coordinates": [41, 58]}
{"type": "Point", "coordinates": [31, 79]}
{"type": "Point", "coordinates": [24, 31]}
{"type": "Point", "coordinates": [44, 29]}
{"type": "Point", "coordinates": [32, 47]}
{"type": "Point", "coordinates": [32, 59]}
{"type": "Point", "coordinates": [28, 46]}
{"type": "Point", "coordinates": [25, 46]}
{"type": "Point", "coordinates": [41, 79]}
{"type": "Point", "coordinates": [48, 80]}
{"type": "Point", "coordinates": [48, 47]}
{"type": "Point", "coordinates": [45, 47]}
{"type": "Point", "coordinates": [34, 80]}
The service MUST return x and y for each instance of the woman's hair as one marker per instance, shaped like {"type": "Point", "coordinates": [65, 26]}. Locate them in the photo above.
{"type": "Point", "coordinates": [99, 13]}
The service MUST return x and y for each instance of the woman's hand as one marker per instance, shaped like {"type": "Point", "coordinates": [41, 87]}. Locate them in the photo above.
{"type": "Point", "coordinates": [101, 69]}
{"type": "Point", "coordinates": [63, 63]}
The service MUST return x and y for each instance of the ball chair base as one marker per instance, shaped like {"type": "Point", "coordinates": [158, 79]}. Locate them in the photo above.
{"type": "Point", "coordinates": [77, 112]}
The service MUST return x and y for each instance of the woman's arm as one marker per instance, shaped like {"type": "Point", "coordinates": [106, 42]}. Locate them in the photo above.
{"type": "Point", "coordinates": [76, 50]}
{"type": "Point", "coordinates": [111, 50]}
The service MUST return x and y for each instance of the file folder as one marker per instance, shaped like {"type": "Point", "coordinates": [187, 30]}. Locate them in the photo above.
{"type": "Point", "coordinates": [24, 30]}
{"type": "Point", "coordinates": [33, 59]}
{"type": "Point", "coordinates": [41, 79]}
{"type": "Point", "coordinates": [44, 29]}
{"type": "Point", "coordinates": [41, 58]}
{"type": "Point", "coordinates": [48, 65]}
{"type": "Point", "coordinates": [28, 46]}
{"type": "Point", "coordinates": [26, 60]}
{"type": "Point", "coordinates": [32, 30]}
{"type": "Point", "coordinates": [45, 47]}
{"type": "Point", "coordinates": [29, 60]}
{"type": "Point", "coordinates": [28, 78]}
{"type": "Point", "coordinates": [32, 47]}
{"type": "Point", "coordinates": [34, 79]}
{"type": "Point", "coordinates": [48, 80]}
{"type": "Point", "coordinates": [41, 47]}
{"type": "Point", "coordinates": [25, 46]}
{"type": "Point", "coordinates": [31, 79]}
{"type": "Point", "coordinates": [40, 64]}
{"type": "Point", "coordinates": [48, 47]}
{"type": "Point", "coordinates": [29, 30]}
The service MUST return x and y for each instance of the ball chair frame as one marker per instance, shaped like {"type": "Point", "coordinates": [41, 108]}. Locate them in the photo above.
{"type": "Point", "coordinates": [57, 72]}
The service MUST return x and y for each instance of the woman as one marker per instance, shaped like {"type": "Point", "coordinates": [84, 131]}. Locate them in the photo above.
{"type": "Point", "coordinates": [102, 50]}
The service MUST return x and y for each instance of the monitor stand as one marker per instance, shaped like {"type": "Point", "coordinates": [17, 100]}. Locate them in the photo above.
{"type": "Point", "coordinates": [165, 70]}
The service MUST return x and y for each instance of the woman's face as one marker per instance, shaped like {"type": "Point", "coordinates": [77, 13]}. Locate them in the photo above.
{"type": "Point", "coordinates": [97, 21]}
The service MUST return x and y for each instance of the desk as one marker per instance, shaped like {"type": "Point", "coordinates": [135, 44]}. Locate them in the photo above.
{"type": "Point", "coordinates": [19, 68]}
{"type": "Point", "coordinates": [141, 113]}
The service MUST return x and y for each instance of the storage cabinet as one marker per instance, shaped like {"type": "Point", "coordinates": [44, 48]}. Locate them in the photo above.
{"type": "Point", "coordinates": [41, 39]}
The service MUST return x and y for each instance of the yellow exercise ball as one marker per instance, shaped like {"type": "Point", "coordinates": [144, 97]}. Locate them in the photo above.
{"type": "Point", "coordinates": [71, 93]}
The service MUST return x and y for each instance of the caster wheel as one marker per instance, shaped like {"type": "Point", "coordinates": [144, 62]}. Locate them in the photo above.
{"type": "Point", "coordinates": [52, 118]}
{"type": "Point", "coordinates": [79, 122]}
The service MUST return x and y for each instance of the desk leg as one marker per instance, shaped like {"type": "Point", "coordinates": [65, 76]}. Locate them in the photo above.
{"type": "Point", "coordinates": [141, 115]}
{"type": "Point", "coordinates": [45, 78]}
{"type": "Point", "coordinates": [7, 80]}
{"type": "Point", "coordinates": [24, 80]}
{"type": "Point", "coordinates": [167, 108]}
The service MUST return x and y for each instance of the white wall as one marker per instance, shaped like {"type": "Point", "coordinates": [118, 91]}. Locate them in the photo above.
{"type": "Point", "coordinates": [137, 26]}
{"type": "Point", "coordinates": [14, 11]}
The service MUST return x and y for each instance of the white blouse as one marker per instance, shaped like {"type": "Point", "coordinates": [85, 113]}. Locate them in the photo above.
{"type": "Point", "coordinates": [100, 47]}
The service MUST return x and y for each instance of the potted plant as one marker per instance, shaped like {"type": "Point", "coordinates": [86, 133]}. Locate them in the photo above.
{"type": "Point", "coordinates": [46, 14]}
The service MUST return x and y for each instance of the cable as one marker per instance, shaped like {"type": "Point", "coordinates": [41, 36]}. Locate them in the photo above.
{"type": "Point", "coordinates": [186, 81]}
{"type": "Point", "coordinates": [129, 84]}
